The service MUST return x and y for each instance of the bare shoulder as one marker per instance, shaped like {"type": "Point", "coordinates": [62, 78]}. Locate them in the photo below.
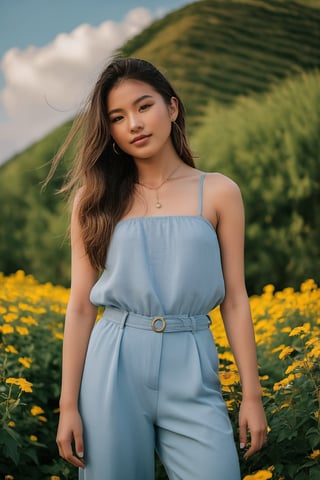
{"type": "Point", "coordinates": [220, 184]}
{"type": "Point", "coordinates": [220, 196]}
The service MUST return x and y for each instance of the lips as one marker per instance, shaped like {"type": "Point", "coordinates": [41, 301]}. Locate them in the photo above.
{"type": "Point", "coordinates": [140, 138]}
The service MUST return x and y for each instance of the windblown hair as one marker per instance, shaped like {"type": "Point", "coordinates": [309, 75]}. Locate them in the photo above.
{"type": "Point", "coordinates": [107, 180]}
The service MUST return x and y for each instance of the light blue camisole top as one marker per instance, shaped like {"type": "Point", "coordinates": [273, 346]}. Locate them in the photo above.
{"type": "Point", "coordinates": [162, 265]}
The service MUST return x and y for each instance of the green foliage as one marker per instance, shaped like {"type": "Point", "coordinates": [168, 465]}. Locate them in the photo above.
{"type": "Point", "coordinates": [34, 222]}
{"type": "Point", "coordinates": [270, 146]}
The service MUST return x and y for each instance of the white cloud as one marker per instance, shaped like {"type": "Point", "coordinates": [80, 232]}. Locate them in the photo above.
{"type": "Point", "coordinates": [45, 86]}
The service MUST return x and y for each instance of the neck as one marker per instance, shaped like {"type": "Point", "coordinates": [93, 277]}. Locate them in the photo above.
{"type": "Point", "coordinates": [154, 173]}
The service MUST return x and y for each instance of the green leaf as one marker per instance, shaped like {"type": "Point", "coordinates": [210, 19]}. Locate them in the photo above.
{"type": "Point", "coordinates": [314, 473]}
{"type": "Point", "coordinates": [10, 448]}
{"type": "Point", "coordinates": [13, 434]}
{"type": "Point", "coordinates": [33, 455]}
{"type": "Point", "coordinates": [313, 437]}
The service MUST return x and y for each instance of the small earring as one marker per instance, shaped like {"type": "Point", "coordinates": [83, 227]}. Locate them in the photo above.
{"type": "Point", "coordinates": [114, 148]}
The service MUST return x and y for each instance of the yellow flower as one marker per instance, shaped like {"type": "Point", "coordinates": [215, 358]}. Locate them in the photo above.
{"type": "Point", "coordinates": [58, 309]}
{"type": "Point", "coordinates": [22, 330]}
{"type": "Point", "coordinates": [308, 285]}
{"type": "Point", "coordinates": [226, 356]}
{"type": "Point", "coordinates": [284, 383]}
{"type": "Point", "coordinates": [10, 317]}
{"type": "Point", "coordinates": [230, 403]}
{"type": "Point", "coordinates": [33, 438]}
{"type": "Point", "coordinates": [25, 361]}
{"type": "Point", "coordinates": [6, 329]}
{"type": "Point", "coordinates": [305, 328]}
{"type": "Point", "coordinates": [277, 349]}
{"type": "Point", "coordinates": [36, 410]}
{"type": "Point", "coordinates": [42, 418]}
{"type": "Point", "coordinates": [11, 424]}
{"type": "Point", "coordinates": [23, 306]}
{"type": "Point", "coordinates": [286, 329]}
{"type": "Point", "coordinates": [312, 341]}
{"type": "Point", "coordinates": [58, 336]}
{"type": "Point", "coordinates": [314, 454]}
{"type": "Point", "coordinates": [9, 477]}
{"type": "Point", "coordinates": [286, 352]}
{"type": "Point", "coordinates": [315, 352]}
{"type": "Point", "coordinates": [54, 477]}
{"type": "Point", "coordinates": [296, 365]}
{"type": "Point", "coordinates": [266, 392]}
{"type": "Point", "coordinates": [29, 321]}
{"type": "Point", "coordinates": [269, 289]}
{"type": "Point", "coordinates": [260, 475]}
{"type": "Point", "coordinates": [22, 383]}
{"type": "Point", "coordinates": [11, 349]}
{"type": "Point", "coordinates": [228, 378]}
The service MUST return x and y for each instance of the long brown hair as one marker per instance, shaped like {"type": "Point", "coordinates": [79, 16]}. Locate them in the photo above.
{"type": "Point", "coordinates": [106, 178]}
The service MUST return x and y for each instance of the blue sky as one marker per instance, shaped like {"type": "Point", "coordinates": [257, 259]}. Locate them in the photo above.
{"type": "Point", "coordinates": [46, 44]}
{"type": "Point", "coordinates": [37, 22]}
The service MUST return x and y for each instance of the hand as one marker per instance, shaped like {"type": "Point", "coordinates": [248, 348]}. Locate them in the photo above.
{"type": "Point", "coordinates": [252, 418]}
{"type": "Point", "coordinates": [69, 432]}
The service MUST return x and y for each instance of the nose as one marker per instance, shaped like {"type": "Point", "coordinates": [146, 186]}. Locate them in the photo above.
{"type": "Point", "coordinates": [135, 123]}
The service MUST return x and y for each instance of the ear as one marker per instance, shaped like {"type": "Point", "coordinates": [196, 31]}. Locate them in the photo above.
{"type": "Point", "coordinates": [173, 109]}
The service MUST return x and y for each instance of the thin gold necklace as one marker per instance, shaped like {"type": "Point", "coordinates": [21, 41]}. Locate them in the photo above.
{"type": "Point", "coordinates": [157, 188]}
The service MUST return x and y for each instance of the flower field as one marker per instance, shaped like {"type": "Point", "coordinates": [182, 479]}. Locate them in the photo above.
{"type": "Point", "coordinates": [287, 326]}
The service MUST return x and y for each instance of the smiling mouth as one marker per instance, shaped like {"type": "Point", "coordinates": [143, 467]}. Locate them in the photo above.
{"type": "Point", "coordinates": [140, 138]}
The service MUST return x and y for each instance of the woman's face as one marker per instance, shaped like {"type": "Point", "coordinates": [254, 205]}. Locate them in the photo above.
{"type": "Point", "coordinates": [140, 120]}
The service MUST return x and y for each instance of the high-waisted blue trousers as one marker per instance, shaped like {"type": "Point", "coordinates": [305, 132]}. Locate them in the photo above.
{"type": "Point", "coordinates": [144, 389]}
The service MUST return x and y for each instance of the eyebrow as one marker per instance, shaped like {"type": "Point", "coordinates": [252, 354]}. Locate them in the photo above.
{"type": "Point", "coordinates": [117, 110]}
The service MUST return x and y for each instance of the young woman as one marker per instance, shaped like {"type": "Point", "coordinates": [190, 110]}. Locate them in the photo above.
{"type": "Point", "coordinates": [158, 244]}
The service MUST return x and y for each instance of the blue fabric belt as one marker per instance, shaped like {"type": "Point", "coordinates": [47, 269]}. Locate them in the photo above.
{"type": "Point", "coordinates": [158, 324]}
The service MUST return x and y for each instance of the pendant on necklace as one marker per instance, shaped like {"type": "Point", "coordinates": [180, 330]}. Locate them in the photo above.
{"type": "Point", "coordinates": [158, 204]}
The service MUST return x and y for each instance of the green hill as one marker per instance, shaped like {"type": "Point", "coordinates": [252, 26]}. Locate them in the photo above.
{"type": "Point", "coordinates": [219, 49]}
{"type": "Point", "coordinates": [213, 51]}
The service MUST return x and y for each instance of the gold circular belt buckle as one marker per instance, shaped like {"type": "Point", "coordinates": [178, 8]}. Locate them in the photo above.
{"type": "Point", "coordinates": [158, 329]}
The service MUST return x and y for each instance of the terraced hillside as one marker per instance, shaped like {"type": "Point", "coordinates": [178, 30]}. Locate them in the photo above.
{"type": "Point", "coordinates": [224, 48]}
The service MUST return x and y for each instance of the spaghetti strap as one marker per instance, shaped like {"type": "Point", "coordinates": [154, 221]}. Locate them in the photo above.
{"type": "Point", "coordinates": [200, 194]}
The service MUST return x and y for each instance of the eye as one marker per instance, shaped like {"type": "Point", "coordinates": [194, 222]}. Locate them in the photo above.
{"type": "Point", "coordinates": [145, 106]}
{"type": "Point", "coordinates": [116, 119]}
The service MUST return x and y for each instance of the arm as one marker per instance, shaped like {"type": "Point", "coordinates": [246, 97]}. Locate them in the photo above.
{"type": "Point", "coordinates": [235, 311]}
{"type": "Point", "coordinates": [80, 318]}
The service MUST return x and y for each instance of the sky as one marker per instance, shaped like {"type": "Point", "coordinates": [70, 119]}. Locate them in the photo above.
{"type": "Point", "coordinates": [51, 52]}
